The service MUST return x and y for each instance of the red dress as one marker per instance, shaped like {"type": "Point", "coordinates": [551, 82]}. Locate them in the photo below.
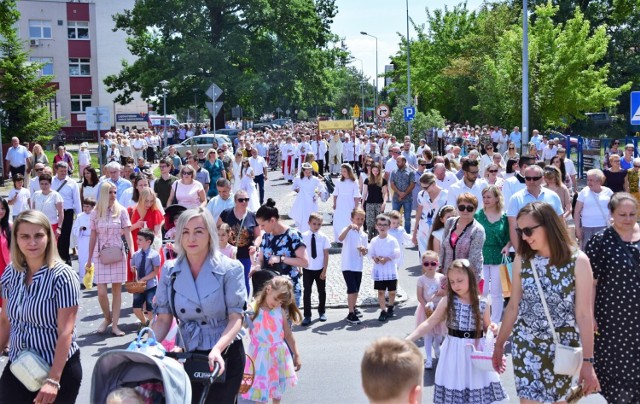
{"type": "Point", "coordinates": [5, 256]}
{"type": "Point", "coordinates": [153, 218]}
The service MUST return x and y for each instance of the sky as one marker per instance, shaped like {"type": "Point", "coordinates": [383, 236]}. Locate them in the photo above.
{"type": "Point", "coordinates": [383, 19]}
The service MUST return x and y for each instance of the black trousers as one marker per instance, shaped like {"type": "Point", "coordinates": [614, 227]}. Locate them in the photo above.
{"type": "Point", "coordinates": [17, 170]}
{"type": "Point", "coordinates": [320, 166]}
{"type": "Point", "coordinates": [308, 277]}
{"type": "Point", "coordinates": [259, 180]}
{"type": "Point", "coordinates": [12, 391]}
{"type": "Point", "coordinates": [226, 392]}
{"type": "Point", "coordinates": [65, 236]}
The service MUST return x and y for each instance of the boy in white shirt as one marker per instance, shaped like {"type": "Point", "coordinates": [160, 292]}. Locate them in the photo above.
{"type": "Point", "coordinates": [403, 238]}
{"type": "Point", "coordinates": [81, 230]}
{"type": "Point", "coordinates": [19, 197]}
{"type": "Point", "coordinates": [354, 248]}
{"type": "Point", "coordinates": [318, 245]}
{"type": "Point", "coordinates": [384, 251]}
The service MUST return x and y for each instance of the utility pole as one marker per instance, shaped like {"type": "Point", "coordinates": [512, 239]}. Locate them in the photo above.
{"type": "Point", "coordinates": [525, 74]}
{"type": "Point", "coordinates": [409, 70]}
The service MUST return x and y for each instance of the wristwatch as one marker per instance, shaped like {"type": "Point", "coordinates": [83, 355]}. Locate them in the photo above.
{"type": "Point", "coordinates": [590, 360]}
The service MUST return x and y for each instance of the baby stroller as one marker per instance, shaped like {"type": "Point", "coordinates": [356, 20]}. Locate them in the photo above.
{"type": "Point", "coordinates": [121, 368]}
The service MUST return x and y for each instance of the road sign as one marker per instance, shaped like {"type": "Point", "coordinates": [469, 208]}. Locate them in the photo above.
{"type": "Point", "coordinates": [356, 110]}
{"type": "Point", "coordinates": [344, 111]}
{"type": "Point", "coordinates": [214, 108]}
{"type": "Point", "coordinates": [97, 117]}
{"type": "Point", "coordinates": [635, 108]}
{"type": "Point", "coordinates": [214, 92]}
{"type": "Point", "coordinates": [409, 113]}
{"type": "Point", "coordinates": [383, 111]}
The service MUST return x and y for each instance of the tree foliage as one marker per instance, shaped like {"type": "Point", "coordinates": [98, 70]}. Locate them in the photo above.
{"type": "Point", "coordinates": [23, 94]}
{"type": "Point", "coordinates": [421, 123]}
{"type": "Point", "coordinates": [264, 54]}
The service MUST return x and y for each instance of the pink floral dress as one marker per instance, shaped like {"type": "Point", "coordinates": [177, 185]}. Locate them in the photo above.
{"type": "Point", "coordinates": [109, 234]}
{"type": "Point", "coordinates": [273, 362]}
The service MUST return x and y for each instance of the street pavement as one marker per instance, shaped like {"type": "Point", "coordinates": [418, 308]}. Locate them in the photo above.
{"type": "Point", "coordinates": [330, 351]}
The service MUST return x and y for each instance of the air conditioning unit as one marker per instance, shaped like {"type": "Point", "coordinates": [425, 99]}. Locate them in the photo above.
{"type": "Point", "coordinates": [34, 43]}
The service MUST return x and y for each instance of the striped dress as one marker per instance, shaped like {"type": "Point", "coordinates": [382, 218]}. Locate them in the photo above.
{"type": "Point", "coordinates": [33, 310]}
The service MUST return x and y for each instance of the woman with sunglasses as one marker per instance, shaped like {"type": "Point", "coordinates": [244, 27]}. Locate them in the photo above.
{"type": "Point", "coordinates": [511, 153]}
{"type": "Point", "coordinates": [492, 175]}
{"type": "Point", "coordinates": [463, 236]}
{"type": "Point", "coordinates": [215, 167]}
{"type": "Point", "coordinates": [553, 181]}
{"type": "Point", "coordinates": [187, 191]}
{"type": "Point", "coordinates": [497, 245]}
{"type": "Point", "coordinates": [430, 199]}
{"type": "Point", "coordinates": [613, 151]}
{"type": "Point", "coordinates": [616, 176]}
{"type": "Point", "coordinates": [565, 276]}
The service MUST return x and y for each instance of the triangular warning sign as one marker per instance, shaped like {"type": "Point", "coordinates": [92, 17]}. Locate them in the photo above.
{"type": "Point", "coordinates": [636, 116]}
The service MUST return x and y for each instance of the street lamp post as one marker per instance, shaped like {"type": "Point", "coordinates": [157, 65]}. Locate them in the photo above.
{"type": "Point", "coordinates": [409, 71]}
{"type": "Point", "coordinates": [195, 107]}
{"type": "Point", "coordinates": [376, 93]}
{"type": "Point", "coordinates": [525, 73]}
{"type": "Point", "coordinates": [164, 84]}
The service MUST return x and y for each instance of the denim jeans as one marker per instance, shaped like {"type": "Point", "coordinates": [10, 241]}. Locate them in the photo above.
{"type": "Point", "coordinates": [406, 204]}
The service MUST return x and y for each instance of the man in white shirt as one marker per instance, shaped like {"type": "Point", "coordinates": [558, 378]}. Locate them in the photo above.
{"type": "Point", "coordinates": [349, 152]}
{"type": "Point", "coordinates": [139, 145]}
{"type": "Point", "coordinates": [495, 137]}
{"type": "Point", "coordinates": [549, 150]}
{"type": "Point", "coordinates": [68, 189]}
{"type": "Point", "coordinates": [262, 147]}
{"type": "Point", "coordinates": [260, 169]}
{"type": "Point", "coordinates": [444, 178]}
{"type": "Point", "coordinates": [536, 139]}
{"type": "Point", "coordinates": [469, 183]}
{"type": "Point", "coordinates": [319, 148]}
{"type": "Point", "coordinates": [34, 184]}
{"type": "Point", "coordinates": [17, 156]}
{"type": "Point", "coordinates": [224, 199]}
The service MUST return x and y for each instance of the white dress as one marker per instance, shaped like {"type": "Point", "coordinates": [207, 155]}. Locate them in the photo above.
{"type": "Point", "coordinates": [247, 185]}
{"type": "Point", "coordinates": [457, 381]}
{"type": "Point", "coordinates": [305, 203]}
{"type": "Point", "coordinates": [236, 176]}
{"type": "Point", "coordinates": [345, 191]}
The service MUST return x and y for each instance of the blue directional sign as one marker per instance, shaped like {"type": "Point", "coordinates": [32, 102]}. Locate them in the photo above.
{"type": "Point", "coordinates": [635, 108]}
{"type": "Point", "coordinates": [409, 113]}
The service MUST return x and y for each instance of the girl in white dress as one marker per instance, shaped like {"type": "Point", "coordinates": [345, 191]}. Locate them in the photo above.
{"type": "Point", "coordinates": [466, 315]}
{"type": "Point", "coordinates": [307, 199]}
{"type": "Point", "coordinates": [236, 169]}
{"type": "Point", "coordinates": [346, 197]}
{"type": "Point", "coordinates": [247, 185]}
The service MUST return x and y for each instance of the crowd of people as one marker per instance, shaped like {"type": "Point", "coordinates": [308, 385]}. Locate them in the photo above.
{"type": "Point", "coordinates": [480, 197]}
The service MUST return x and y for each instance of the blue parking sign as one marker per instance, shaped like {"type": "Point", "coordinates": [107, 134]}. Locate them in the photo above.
{"type": "Point", "coordinates": [635, 108]}
{"type": "Point", "coordinates": [409, 113]}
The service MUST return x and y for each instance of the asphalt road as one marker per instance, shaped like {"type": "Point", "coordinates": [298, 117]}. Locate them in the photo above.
{"type": "Point", "coordinates": [330, 351]}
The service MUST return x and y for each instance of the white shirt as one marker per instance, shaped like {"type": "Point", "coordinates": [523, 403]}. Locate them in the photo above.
{"type": "Point", "coordinates": [84, 158]}
{"type": "Point", "coordinates": [387, 247]}
{"type": "Point", "coordinates": [350, 257]}
{"type": "Point", "coordinates": [47, 205]}
{"type": "Point", "coordinates": [287, 150]}
{"type": "Point", "coordinates": [549, 152]}
{"type": "Point", "coordinates": [509, 187]}
{"type": "Point", "coordinates": [319, 149]}
{"type": "Point", "coordinates": [69, 192]}
{"type": "Point", "coordinates": [591, 215]}
{"type": "Point", "coordinates": [322, 244]}
{"type": "Point", "coordinates": [262, 148]}
{"type": "Point", "coordinates": [449, 179]}
{"type": "Point", "coordinates": [390, 166]}
{"type": "Point", "coordinates": [348, 151]}
{"type": "Point", "coordinates": [21, 203]}
{"type": "Point", "coordinates": [17, 156]}
{"type": "Point", "coordinates": [34, 185]}
{"type": "Point", "coordinates": [460, 188]}
{"type": "Point", "coordinates": [216, 205]}
{"type": "Point", "coordinates": [485, 161]}
{"type": "Point", "coordinates": [258, 165]}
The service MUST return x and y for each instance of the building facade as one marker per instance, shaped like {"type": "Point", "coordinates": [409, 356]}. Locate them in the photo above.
{"type": "Point", "coordinates": [76, 43]}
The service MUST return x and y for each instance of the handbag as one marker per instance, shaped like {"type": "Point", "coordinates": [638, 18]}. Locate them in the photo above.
{"type": "Point", "coordinates": [175, 194]}
{"type": "Point", "coordinates": [29, 367]}
{"type": "Point", "coordinates": [568, 359]}
{"type": "Point", "coordinates": [483, 360]}
{"type": "Point", "coordinates": [505, 276]}
{"type": "Point", "coordinates": [110, 255]}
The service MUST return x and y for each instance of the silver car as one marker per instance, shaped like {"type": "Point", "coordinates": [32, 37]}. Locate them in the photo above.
{"type": "Point", "coordinates": [199, 142]}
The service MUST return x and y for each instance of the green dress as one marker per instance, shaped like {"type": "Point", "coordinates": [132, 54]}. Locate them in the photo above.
{"type": "Point", "coordinates": [497, 236]}
{"type": "Point", "coordinates": [533, 347]}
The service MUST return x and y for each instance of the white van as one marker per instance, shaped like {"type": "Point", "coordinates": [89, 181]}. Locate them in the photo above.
{"type": "Point", "coordinates": [158, 121]}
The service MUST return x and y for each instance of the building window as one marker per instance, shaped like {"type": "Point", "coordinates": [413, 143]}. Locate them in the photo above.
{"type": "Point", "coordinates": [78, 30]}
{"type": "Point", "coordinates": [39, 29]}
{"type": "Point", "coordinates": [79, 103]}
{"type": "Point", "coordinates": [79, 67]}
{"type": "Point", "coordinates": [47, 65]}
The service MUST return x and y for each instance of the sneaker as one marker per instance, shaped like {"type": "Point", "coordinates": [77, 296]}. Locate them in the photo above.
{"type": "Point", "coordinates": [428, 364]}
{"type": "Point", "coordinates": [390, 311]}
{"type": "Point", "coordinates": [353, 319]}
{"type": "Point", "coordinates": [383, 316]}
{"type": "Point", "coordinates": [358, 313]}
{"type": "Point", "coordinates": [323, 317]}
{"type": "Point", "coordinates": [306, 322]}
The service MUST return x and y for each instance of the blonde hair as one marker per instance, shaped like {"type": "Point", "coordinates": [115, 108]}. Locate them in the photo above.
{"type": "Point", "coordinates": [209, 223]}
{"type": "Point", "coordinates": [391, 367]}
{"type": "Point", "coordinates": [145, 193]}
{"type": "Point", "coordinates": [495, 191]}
{"type": "Point", "coordinates": [102, 205]}
{"type": "Point", "coordinates": [37, 149]}
{"type": "Point", "coordinates": [284, 288]}
{"type": "Point", "coordinates": [37, 218]}
{"type": "Point", "coordinates": [124, 395]}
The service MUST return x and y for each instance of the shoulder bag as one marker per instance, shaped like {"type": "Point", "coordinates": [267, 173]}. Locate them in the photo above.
{"type": "Point", "coordinates": [568, 359]}
{"type": "Point", "coordinates": [29, 367]}
{"type": "Point", "coordinates": [110, 255]}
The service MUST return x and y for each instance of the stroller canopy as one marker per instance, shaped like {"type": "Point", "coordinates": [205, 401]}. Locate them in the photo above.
{"type": "Point", "coordinates": [120, 368]}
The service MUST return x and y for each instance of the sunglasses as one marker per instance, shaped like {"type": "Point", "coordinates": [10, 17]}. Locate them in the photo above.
{"type": "Point", "coordinates": [242, 200]}
{"type": "Point", "coordinates": [473, 172]}
{"type": "Point", "coordinates": [424, 165]}
{"type": "Point", "coordinates": [536, 178]}
{"type": "Point", "coordinates": [430, 264]}
{"type": "Point", "coordinates": [616, 143]}
{"type": "Point", "coordinates": [493, 171]}
{"type": "Point", "coordinates": [39, 170]}
{"type": "Point", "coordinates": [636, 166]}
{"type": "Point", "coordinates": [511, 148]}
{"type": "Point", "coordinates": [468, 208]}
{"type": "Point", "coordinates": [187, 173]}
{"type": "Point", "coordinates": [527, 231]}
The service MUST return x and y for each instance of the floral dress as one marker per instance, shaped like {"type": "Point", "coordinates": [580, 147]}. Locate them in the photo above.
{"type": "Point", "coordinates": [533, 347]}
{"type": "Point", "coordinates": [274, 369]}
{"type": "Point", "coordinates": [109, 234]}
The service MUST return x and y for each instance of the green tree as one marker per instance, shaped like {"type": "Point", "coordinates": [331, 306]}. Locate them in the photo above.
{"type": "Point", "coordinates": [419, 126]}
{"type": "Point", "coordinates": [567, 73]}
{"type": "Point", "coordinates": [264, 54]}
{"type": "Point", "coordinates": [23, 94]}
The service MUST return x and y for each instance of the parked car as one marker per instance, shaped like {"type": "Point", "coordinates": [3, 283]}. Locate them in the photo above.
{"type": "Point", "coordinates": [199, 142]}
{"type": "Point", "coordinates": [261, 126]}
{"type": "Point", "coordinates": [283, 122]}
